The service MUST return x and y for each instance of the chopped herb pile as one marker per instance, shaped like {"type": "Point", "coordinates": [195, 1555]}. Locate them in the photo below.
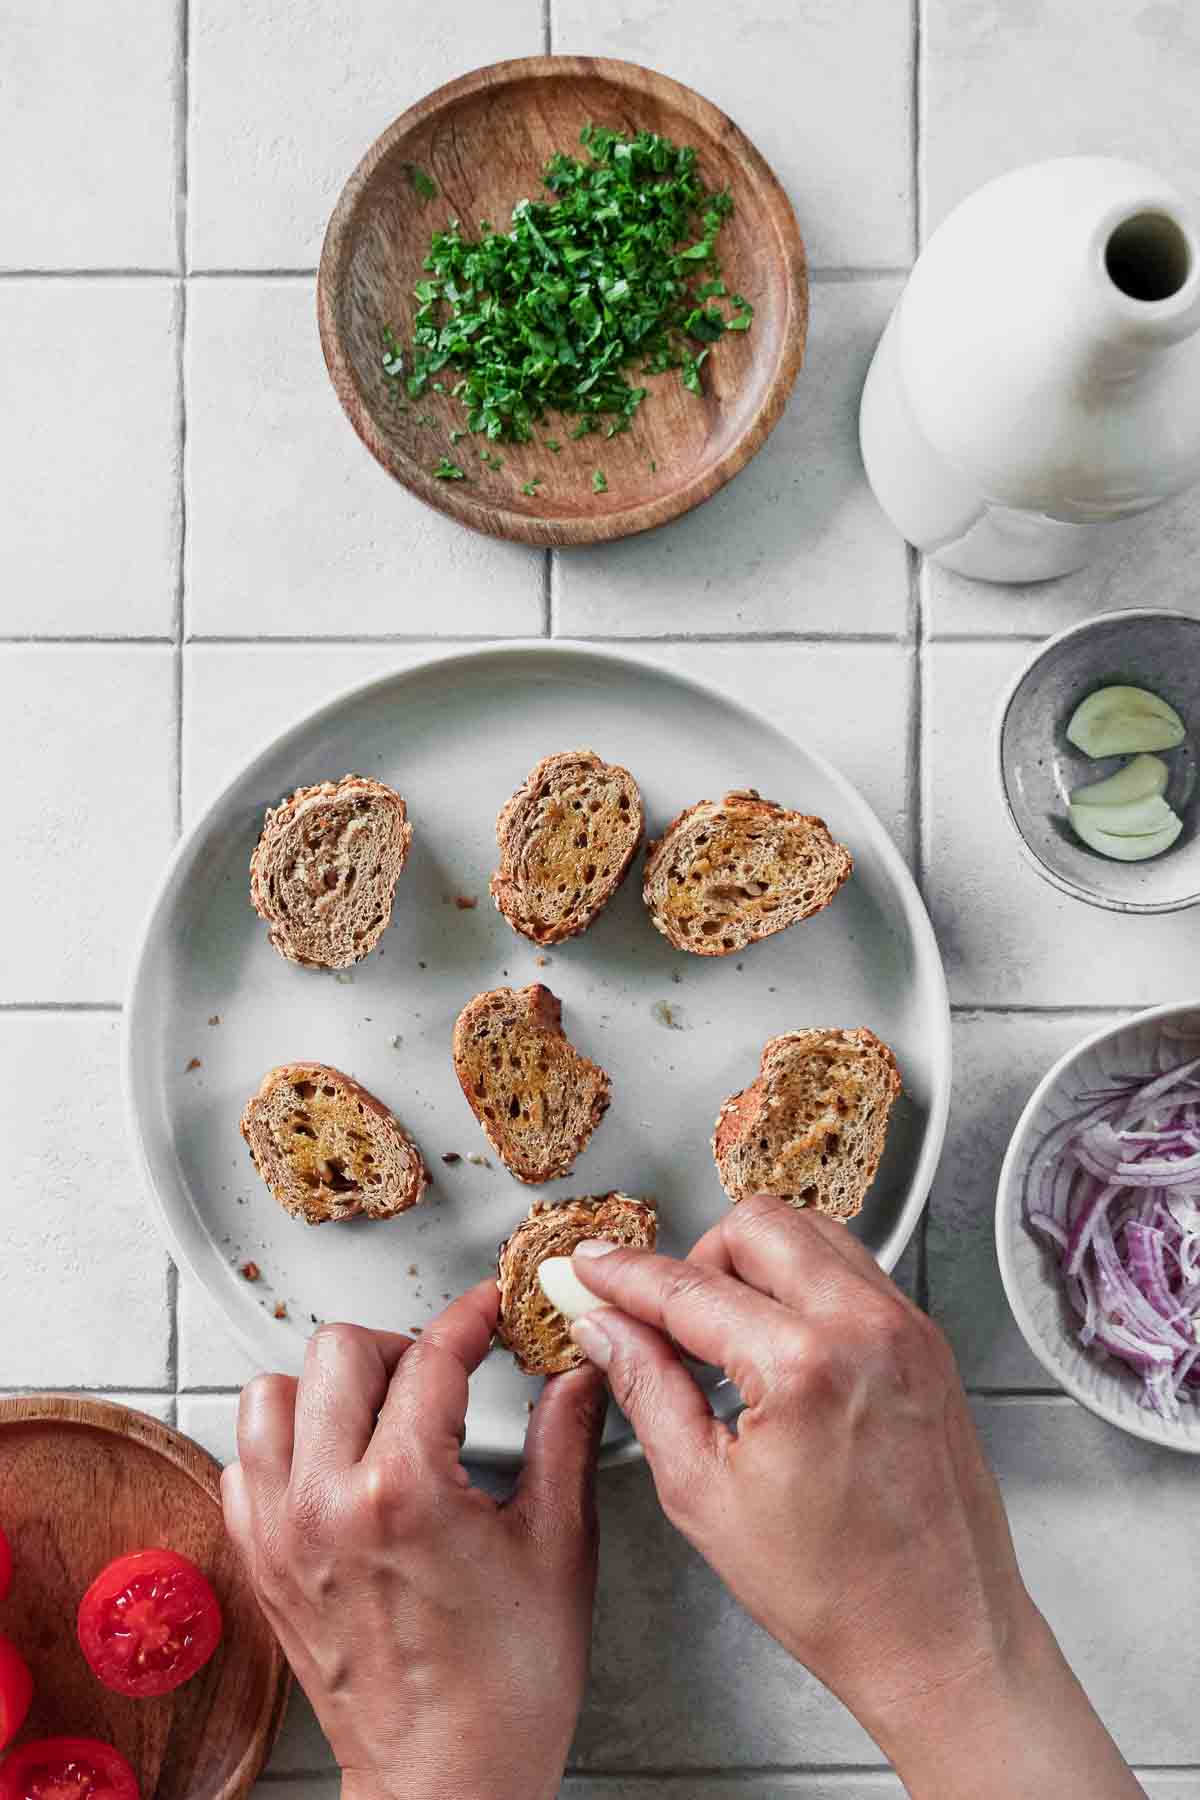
{"type": "Point", "coordinates": [599, 482]}
{"type": "Point", "coordinates": [448, 471]}
{"type": "Point", "coordinates": [615, 276]}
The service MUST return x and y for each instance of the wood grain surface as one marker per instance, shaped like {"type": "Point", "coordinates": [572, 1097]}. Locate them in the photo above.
{"type": "Point", "coordinates": [82, 1481]}
{"type": "Point", "coordinates": [484, 140]}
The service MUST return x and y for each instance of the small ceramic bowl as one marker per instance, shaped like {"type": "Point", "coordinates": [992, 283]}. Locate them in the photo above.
{"type": "Point", "coordinates": [1039, 768]}
{"type": "Point", "coordinates": [1153, 1041]}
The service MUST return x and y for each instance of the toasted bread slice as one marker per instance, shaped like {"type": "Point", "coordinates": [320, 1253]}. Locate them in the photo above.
{"type": "Point", "coordinates": [813, 1126]}
{"type": "Point", "coordinates": [567, 838]}
{"type": "Point", "coordinates": [537, 1099]}
{"type": "Point", "coordinates": [329, 1150]}
{"type": "Point", "coordinates": [728, 872]}
{"type": "Point", "coordinates": [536, 1332]}
{"type": "Point", "coordinates": [324, 872]}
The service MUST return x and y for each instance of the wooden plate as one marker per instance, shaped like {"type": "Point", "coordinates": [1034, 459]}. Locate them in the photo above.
{"type": "Point", "coordinates": [81, 1482]}
{"type": "Point", "coordinates": [484, 140]}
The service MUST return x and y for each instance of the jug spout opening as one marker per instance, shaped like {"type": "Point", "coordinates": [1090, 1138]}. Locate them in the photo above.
{"type": "Point", "coordinates": [1149, 257]}
{"type": "Point", "coordinates": [1146, 270]}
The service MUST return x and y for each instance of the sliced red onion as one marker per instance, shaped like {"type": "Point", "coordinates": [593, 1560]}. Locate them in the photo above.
{"type": "Point", "coordinates": [1114, 1192]}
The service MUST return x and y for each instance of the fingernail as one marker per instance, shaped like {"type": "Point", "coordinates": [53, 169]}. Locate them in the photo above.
{"type": "Point", "coordinates": [593, 1340]}
{"type": "Point", "coordinates": [594, 1247]}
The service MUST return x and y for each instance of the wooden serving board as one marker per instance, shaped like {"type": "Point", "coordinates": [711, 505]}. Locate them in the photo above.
{"type": "Point", "coordinates": [82, 1481]}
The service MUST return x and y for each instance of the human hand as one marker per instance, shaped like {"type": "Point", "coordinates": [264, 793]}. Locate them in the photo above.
{"type": "Point", "coordinates": [852, 1512]}
{"type": "Point", "coordinates": [442, 1638]}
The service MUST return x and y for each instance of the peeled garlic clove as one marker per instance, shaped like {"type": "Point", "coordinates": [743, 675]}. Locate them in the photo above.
{"type": "Point", "coordinates": [1138, 780]}
{"type": "Point", "coordinates": [1122, 849]}
{"type": "Point", "coordinates": [1140, 818]}
{"type": "Point", "coordinates": [1120, 721]}
{"type": "Point", "coordinates": [563, 1288]}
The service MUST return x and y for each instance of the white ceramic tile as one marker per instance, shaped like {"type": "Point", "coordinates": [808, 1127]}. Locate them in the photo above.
{"type": "Point", "coordinates": [1006, 935]}
{"type": "Point", "coordinates": [1151, 563]}
{"type": "Point", "coordinates": [999, 1058]}
{"type": "Point", "coordinates": [285, 96]}
{"type": "Point", "coordinates": [293, 528]}
{"type": "Point", "coordinates": [794, 543]}
{"type": "Point", "coordinates": [88, 103]}
{"type": "Point", "coordinates": [89, 457]}
{"type": "Point", "coordinates": [83, 1276]}
{"type": "Point", "coordinates": [239, 696]}
{"type": "Point", "coordinates": [681, 1679]}
{"type": "Point", "coordinates": [212, 1420]}
{"type": "Point", "coordinates": [208, 1355]}
{"type": "Point", "coordinates": [87, 745]}
{"type": "Point", "coordinates": [1105, 1531]}
{"type": "Point", "coordinates": [1008, 83]}
{"type": "Point", "coordinates": [824, 93]}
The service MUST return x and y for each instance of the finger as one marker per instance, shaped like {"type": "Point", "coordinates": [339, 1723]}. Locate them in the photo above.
{"type": "Point", "coordinates": [426, 1406]}
{"type": "Point", "coordinates": [799, 1257]}
{"type": "Point", "coordinates": [266, 1435]}
{"type": "Point", "coordinates": [235, 1504]}
{"type": "Point", "coordinates": [685, 1446]}
{"type": "Point", "coordinates": [709, 1314]}
{"type": "Point", "coordinates": [555, 1488]}
{"type": "Point", "coordinates": [345, 1382]}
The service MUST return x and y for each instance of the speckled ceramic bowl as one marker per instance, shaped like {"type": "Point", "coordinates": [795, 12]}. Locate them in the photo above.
{"type": "Point", "coordinates": [1028, 1269]}
{"type": "Point", "coordinates": [1038, 767]}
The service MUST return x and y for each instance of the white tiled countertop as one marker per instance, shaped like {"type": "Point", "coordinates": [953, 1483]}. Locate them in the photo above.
{"type": "Point", "coordinates": [195, 550]}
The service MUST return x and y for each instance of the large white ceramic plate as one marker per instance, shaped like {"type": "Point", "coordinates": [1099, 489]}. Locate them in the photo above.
{"type": "Point", "coordinates": [677, 1033]}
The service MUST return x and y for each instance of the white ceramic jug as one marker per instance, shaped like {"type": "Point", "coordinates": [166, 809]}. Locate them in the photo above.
{"type": "Point", "coordinates": [1039, 380]}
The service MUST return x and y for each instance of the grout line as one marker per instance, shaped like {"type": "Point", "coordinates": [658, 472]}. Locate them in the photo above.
{"type": "Point", "coordinates": [60, 1006]}
{"type": "Point", "coordinates": [988, 637]}
{"type": "Point", "coordinates": [547, 29]}
{"type": "Point", "coordinates": [92, 1387]}
{"type": "Point", "coordinates": [181, 223]}
{"type": "Point", "coordinates": [89, 274]}
{"type": "Point", "coordinates": [1006, 1393]}
{"type": "Point", "coordinates": [252, 274]}
{"type": "Point", "coordinates": [918, 35]}
{"type": "Point", "coordinates": [1086, 1009]}
{"type": "Point", "coordinates": [202, 640]}
{"type": "Point", "coordinates": [749, 640]}
{"type": "Point", "coordinates": [548, 567]}
{"type": "Point", "coordinates": [842, 273]}
{"type": "Point", "coordinates": [92, 638]}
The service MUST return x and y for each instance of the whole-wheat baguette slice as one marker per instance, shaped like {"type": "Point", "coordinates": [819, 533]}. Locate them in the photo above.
{"type": "Point", "coordinates": [567, 838]}
{"type": "Point", "coordinates": [728, 872]}
{"type": "Point", "coordinates": [327, 1149]}
{"type": "Point", "coordinates": [813, 1126]}
{"type": "Point", "coordinates": [324, 871]}
{"type": "Point", "coordinates": [536, 1332]}
{"type": "Point", "coordinates": [536, 1097]}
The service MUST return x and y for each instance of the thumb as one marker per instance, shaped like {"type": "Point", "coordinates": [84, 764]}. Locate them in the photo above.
{"type": "Point", "coordinates": [684, 1444]}
{"type": "Point", "coordinates": [555, 1491]}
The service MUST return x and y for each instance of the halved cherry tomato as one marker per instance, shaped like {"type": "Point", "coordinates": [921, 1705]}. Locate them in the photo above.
{"type": "Point", "coordinates": [148, 1622]}
{"type": "Point", "coordinates": [67, 1769]}
{"type": "Point", "coordinates": [5, 1564]}
{"type": "Point", "coordinates": [16, 1691]}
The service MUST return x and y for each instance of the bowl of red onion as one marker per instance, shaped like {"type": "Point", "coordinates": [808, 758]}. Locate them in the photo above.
{"type": "Point", "coordinates": [1098, 1224]}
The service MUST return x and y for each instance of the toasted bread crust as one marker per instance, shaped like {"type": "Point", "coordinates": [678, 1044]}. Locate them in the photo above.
{"type": "Point", "coordinates": [324, 871]}
{"type": "Point", "coordinates": [361, 1159]}
{"type": "Point", "coordinates": [567, 839]}
{"type": "Point", "coordinates": [535, 1332]}
{"type": "Point", "coordinates": [727, 873]}
{"type": "Point", "coordinates": [820, 1106]}
{"type": "Point", "coordinates": [537, 1099]}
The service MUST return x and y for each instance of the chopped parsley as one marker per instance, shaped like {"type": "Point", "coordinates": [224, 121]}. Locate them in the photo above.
{"type": "Point", "coordinates": [422, 183]}
{"type": "Point", "coordinates": [532, 485]}
{"type": "Point", "coordinates": [489, 461]}
{"type": "Point", "coordinates": [599, 482]}
{"type": "Point", "coordinates": [448, 471]}
{"type": "Point", "coordinates": [553, 444]}
{"type": "Point", "coordinates": [611, 278]}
